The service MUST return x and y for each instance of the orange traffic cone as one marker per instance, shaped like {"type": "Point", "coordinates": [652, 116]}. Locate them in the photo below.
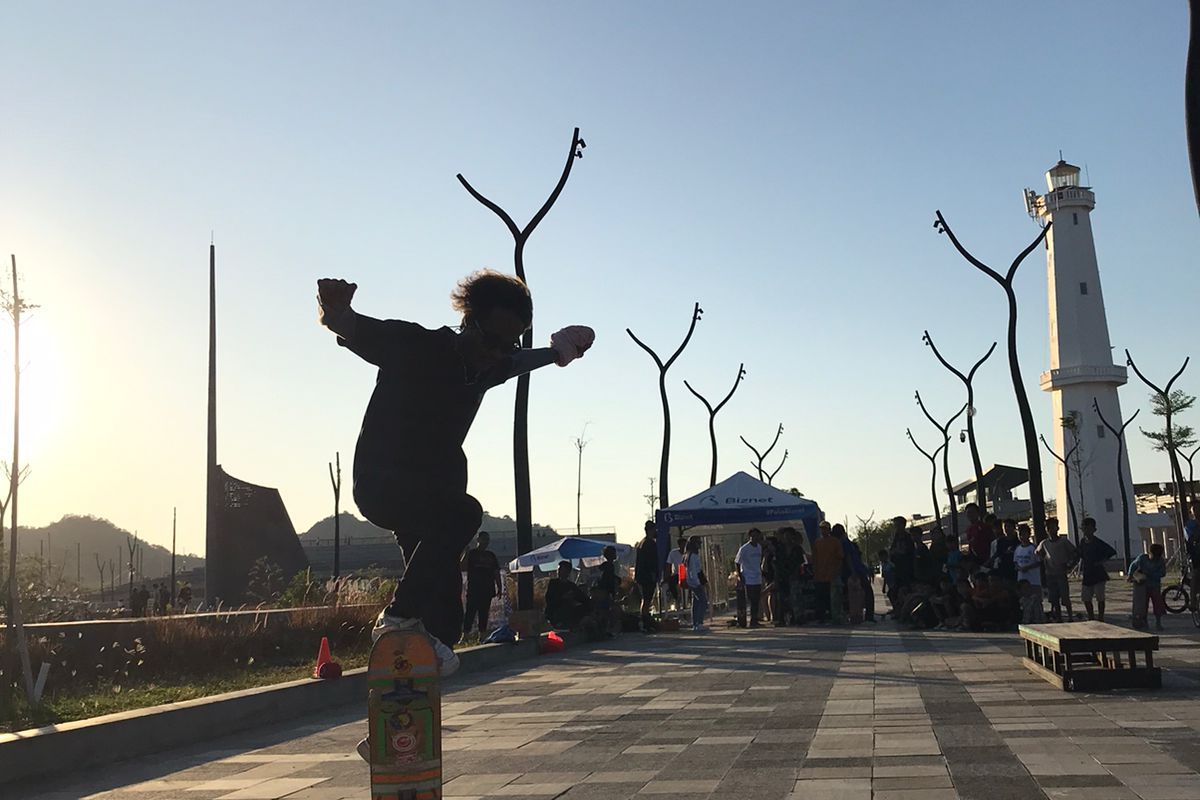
{"type": "Point", "coordinates": [323, 657]}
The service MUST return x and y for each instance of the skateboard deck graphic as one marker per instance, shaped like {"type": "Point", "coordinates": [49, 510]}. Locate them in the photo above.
{"type": "Point", "coordinates": [404, 717]}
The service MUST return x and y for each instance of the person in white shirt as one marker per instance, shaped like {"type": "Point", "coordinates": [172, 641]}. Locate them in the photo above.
{"type": "Point", "coordinates": [671, 574]}
{"type": "Point", "coordinates": [749, 570]}
{"type": "Point", "coordinates": [697, 583]}
{"type": "Point", "coordinates": [1028, 562]}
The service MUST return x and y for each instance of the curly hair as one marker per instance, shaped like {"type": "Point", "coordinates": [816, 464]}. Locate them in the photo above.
{"type": "Point", "coordinates": [480, 292]}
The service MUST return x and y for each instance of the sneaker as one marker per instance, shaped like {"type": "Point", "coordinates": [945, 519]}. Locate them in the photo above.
{"type": "Point", "coordinates": [448, 662]}
{"type": "Point", "coordinates": [699, 629]}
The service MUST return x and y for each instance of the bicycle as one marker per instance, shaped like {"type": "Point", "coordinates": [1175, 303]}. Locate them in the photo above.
{"type": "Point", "coordinates": [1177, 597]}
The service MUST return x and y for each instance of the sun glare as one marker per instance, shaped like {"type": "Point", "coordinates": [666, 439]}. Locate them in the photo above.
{"type": "Point", "coordinates": [43, 387]}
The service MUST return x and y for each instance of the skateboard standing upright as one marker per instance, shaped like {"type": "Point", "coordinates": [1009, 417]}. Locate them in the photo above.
{"type": "Point", "coordinates": [404, 718]}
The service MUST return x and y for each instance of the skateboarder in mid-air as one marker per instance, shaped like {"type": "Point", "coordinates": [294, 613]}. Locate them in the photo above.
{"type": "Point", "coordinates": [410, 472]}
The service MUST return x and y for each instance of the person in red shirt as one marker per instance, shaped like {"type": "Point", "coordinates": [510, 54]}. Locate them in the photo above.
{"type": "Point", "coordinates": [979, 534]}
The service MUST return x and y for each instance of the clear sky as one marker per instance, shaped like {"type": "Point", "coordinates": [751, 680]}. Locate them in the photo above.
{"type": "Point", "coordinates": [779, 162]}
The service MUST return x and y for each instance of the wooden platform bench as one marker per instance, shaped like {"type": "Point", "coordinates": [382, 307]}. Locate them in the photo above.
{"type": "Point", "coordinates": [1089, 656]}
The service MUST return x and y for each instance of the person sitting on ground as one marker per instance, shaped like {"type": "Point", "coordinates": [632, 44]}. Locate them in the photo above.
{"type": "Point", "coordinates": [1146, 574]}
{"type": "Point", "coordinates": [1031, 602]}
{"type": "Point", "coordinates": [954, 558]}
{"type": "Point", "coordinates": [990, 605]}
{"type": "Point", "coordinates": [567, 605]}
{"type": "Point", "coordinates": [946, 603]}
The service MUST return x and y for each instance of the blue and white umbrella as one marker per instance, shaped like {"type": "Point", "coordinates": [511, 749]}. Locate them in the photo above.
{"type": "Point", "coordinates": [588, 552]}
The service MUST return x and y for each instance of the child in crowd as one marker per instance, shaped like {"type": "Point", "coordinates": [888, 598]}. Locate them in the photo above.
{"type": "Point", "coordinates": [1146, 574]}
{"type": "Point", "coordinates": [1032, 612]}
{"type": "Point", "coordinates": [953, 558]}
{"type": "Point", "coordinates": [946, 603]}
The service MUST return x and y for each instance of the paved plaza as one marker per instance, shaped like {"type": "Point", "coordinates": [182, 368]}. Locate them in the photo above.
{"type": "Point", "coordinates": [818, 713]}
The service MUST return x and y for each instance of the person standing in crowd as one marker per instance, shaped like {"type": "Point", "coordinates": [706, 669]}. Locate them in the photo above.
{"type": "Point", "coordinates": [979, 535]}
{"type": "Point", "coordinates": [828, 557]}
{"type": "Point", "coordinates": [1191, 530]}
{"type": "Point", "coordinates": [1003, 549]}
{"type": "Point", "coordinates": [785, 572]}
{"type": "Point", "coordinates": [483, 583]}
{"type": "Point", "coordinates": [887, 577]}
{"type": "Point", "coordinates": [1058, 554]}
{"type": "Point", "coordinates": [902, 555]}
{"type": "Point", "coordinates": [1028, 565]}
{"type": "Point", "coordinates": [164, 599]}
{"type": "Point", "coordinates": [674, 562]}
{"type": "Point", "coordinates": [185, 597]}
{"type": "Point", "coordinates": [748, 563]}
{"type": "Point", "coordinates": [697, 583]}
{"type": "Point", "coordinates": [769, 574]}
{"type": "Point", "coordinates": [853, 572]}
{"type": "Point", "coordinates": [925, 571]}
{"type": "Point", "coordinates": [1093, 553]}
{"type": "Point", "coordinates": [1146, 574]}
{"type": "Point", "coordinates": [646, 572]}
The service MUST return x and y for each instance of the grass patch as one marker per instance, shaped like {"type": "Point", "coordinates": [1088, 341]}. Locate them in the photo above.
{"type": "Point", "coordinates": [106, 697]}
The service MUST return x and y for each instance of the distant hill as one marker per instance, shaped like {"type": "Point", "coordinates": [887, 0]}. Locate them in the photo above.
{"type": "Point", "coordinates": [94, 537]}
{"type": "Point", "coordinates": [361, 530]}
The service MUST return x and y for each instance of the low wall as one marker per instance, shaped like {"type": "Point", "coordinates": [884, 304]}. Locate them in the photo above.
{"type": "Point", "coordinates": [131, 734]}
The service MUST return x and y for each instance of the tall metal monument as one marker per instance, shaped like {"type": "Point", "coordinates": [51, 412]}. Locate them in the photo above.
{"type": "Point", "coordinates": [1081, 363]}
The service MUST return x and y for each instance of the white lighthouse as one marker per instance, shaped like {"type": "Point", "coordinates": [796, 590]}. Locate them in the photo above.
{"type": "Point", "coordinates": [1081, 363]}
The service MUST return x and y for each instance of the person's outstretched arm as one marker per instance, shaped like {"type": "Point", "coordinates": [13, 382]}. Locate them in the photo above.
{"type": "Point", "coordinates": [375, 341]}
{"type": "Point", "coordinates": [566, 345]}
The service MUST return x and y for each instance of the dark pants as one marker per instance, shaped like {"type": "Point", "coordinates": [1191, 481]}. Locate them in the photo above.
{"type": "Point", "coordinates": [433, 525]}
{"type": "Point", "coordinates": [754, 596]}
{"type": "Point", "coordinates": [821, 588]}
{"type": "Point", "coordinates": [478, 607]}
{"type": "Point", "coordinates": [868, 598]}
{"type": "Point", "coordinates": [648, 589]}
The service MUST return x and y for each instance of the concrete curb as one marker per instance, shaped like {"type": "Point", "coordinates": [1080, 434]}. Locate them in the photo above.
{"type": "Point", "coordinates": [55, 749]}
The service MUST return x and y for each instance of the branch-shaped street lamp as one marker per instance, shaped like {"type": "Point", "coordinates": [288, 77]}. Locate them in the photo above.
{"type": "Point", "coordinates": [945, 431]}
{"type": "Point", "coordinates": [1120, 434]}
{"type": "Point", "coordinates": [1191, 484]}
{"type": "Point", "coordinates": [1191, 97]}
{"type": "Point", "coordinates": [712, 417]}
{"type": "Point", "coordinates": [1065, 459]}
{"type": "Point", "coordinates": [762, 473]}
{"type": "Point", "coordinates": [524, 502]}
{"type": "Point", "coordinates": [664, 461]}
{"type": "Point", "coordinates": [771, 475]}
{"type": "Point", "coordinates": [1037, 500]}
{"type": "Point", "coordinates": [1164, 394]}
{"type": "Point", "coordinates": [937, 509]}
{"type": "Point", "coordinates": [968, 379]}
{"type": "Point", "coordinates": [335, 480]}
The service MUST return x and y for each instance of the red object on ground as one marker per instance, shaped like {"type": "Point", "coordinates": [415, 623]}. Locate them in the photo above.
{"type": "Point", "coordinates": [329, 671]}
{"type": "Point", "coordinates": [553, 643]}
{"type": "Point", "coordinates": [323, 657]}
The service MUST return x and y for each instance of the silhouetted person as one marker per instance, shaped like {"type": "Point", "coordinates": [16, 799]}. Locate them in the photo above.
{"type": "Point", "coordinates": [483, 583]}
{"type": "Point", "coordinates": [410, 473]}
{"type": "Point", "coordinates": [567, 604]}
{"type": "Point", "coordinates": [646, 571]}
{"type": "Point", "coordinates": [1093, 553]}
{"type": "Point", "coordinates": [185, 596]}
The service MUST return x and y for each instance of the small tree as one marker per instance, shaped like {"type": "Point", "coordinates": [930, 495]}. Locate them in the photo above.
{"type": "Point", "coordinates": [266, 581]}
{"type": "Point", "coordinates": [712, 417]}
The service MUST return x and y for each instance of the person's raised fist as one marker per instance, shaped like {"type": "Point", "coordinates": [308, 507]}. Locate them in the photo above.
{"type": "Point", "coordinates": [335, 294]}
{"type": "Point", "coordinates": [571, 343]}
